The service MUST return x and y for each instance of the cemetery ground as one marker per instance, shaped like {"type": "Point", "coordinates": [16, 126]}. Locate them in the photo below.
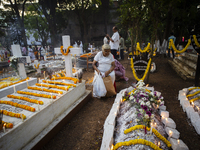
{"type": "Point", "coordinates": [85, 130]}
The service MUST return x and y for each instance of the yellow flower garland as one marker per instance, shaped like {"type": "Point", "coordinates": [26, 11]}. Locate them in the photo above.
{"type": "Point", "coordinates": [145, 73]}
{"type": "Point", "coordinates": [137, 141]}
{"type": "Point", "coordinates": [8, 125]}
{"type": "Point", "coordinates": [67, 51]}
{"type": "Point", "coordinates": [61, 83]}
{"type": "Point", "coordinates": [190, 95]}
{"type": "Point", "coordinates": [26, 99]}
{"type": "Point", "coordinates": [194, 99]}
{"type": "Point", "coordinates": [145, 49]}
{"type": "Point", "coordinates": [153, 130]}
{"type": "Point", "coordinates": [46, 90]}
{"type": "Point", "coordinates": [195, 41]}
{"type": "Point", "coordinates": [37, 95]}
{"type": "Point", "coordinates": [190, 89]}
{"type": "Point", "coordinates": [36, 67]}
{"type": "Point", "coordinates": [179, 51]}
{"type": "Point", "coordinates": [17, 105]}
{"type": "Point", "coordinates": [54, 86]}
{"type": "Point", "coordinates": [12, 114]}
{"type": "Point", "coordinates": [66, 78]}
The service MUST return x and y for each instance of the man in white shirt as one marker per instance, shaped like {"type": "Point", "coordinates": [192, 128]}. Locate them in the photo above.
{"type": "Point", "coordinates": [114, 42]}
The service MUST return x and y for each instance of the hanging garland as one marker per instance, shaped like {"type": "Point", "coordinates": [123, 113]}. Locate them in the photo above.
{"type": "Point", "coordinates": [153, 130]}
{"type": "Point", "coordinates": [137, 141]}
{"type": "Point", "coordinates": [195, 40]}
{"type": "Point", "coordinates": [146, 71]}
{"type": "Point", "coordinates": [145, 49]}
{"type": "Point", "coordinates": [60, 83]}
{"type": "Point", "coordinates": [36, 67]}
{"type": "Point", "coordinates": [17, 105]}
{"type": "Point", "coordinates": [190, 89]}
{"type": "Point", "coordinates": [179, 51]}
{"type": "Point", "coordinates": [67, 51]}
{"type": "Point", "coordinates": [12, 114]}
{"type": "Point", "coordinates": [36, 94]}
{"type": "Point", "coordinates": [26, 99]}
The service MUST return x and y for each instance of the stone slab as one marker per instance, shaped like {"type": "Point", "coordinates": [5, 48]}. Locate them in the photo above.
{"type": "Point", "coordinates": [163, 107]}
{"type": "Point", "coordinates": [178, 146]}
{"type": "Point", "coordinates": [169, 123]}
{"type": "Point", "coordinates": [185, 104]}
{"type": "Point", "coordinates": [189, 111]}
{"type": "Point", "coordinates": [197, 125]}
{"type": "Point", "coordinates": [193, 117]}
{"type": "Point", "coordinates": [36, 141]}
{"type": "Point", "coordinates": [174, 133]}
{"type": "Point", "coordinates": [164, 114]}
{"type": "Point", "coordinates": [9, 90]}
{"type": "Point", "coordinates": [24, 132]}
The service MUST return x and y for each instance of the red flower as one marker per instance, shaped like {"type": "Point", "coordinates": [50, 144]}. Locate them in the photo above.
{"type": "Point", "coordinates": [8, 61]}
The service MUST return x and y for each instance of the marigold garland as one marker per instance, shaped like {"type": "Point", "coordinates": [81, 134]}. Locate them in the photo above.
{"type": "Point", "coordinates": [145, 49]}
{"type": "Point", "coordinates": [66, 78]}
{"type": "Point", "coordinates": [153, 130]}
{"type": "Point", "coordinates": [137, 141]}
{"type": "Point", "coordinates": [54, 86]}
{"type": "Point", "coordinates": [195, 41]}
{"type": "Point", "coordinates": [190, 89]}
{"type": "Point", "coordinates": [67, 51]}
{"type": "Point", "coordinates": [36, 94]}
{"type": "Point", "coordinates": [194, 99]}
{"type": "Point", "coordinates": [86, 55]}
{"type": "Point", "coordinates": [190, 95]}
{"type": "Point", "coordinates": [46, 90]}
{"type": "Point", "coordinates": [60, 83]}
{"type": "Point", "coordinates": [179, 51]}
{"type": "Point", "coordinates": [6, 85]}
{"type": "Point", "coordinates": [145, 73]}
{"type": "Point", "coordinates": [8, 125]}
{"type": "Point", "coordinates": [36, 67]}
{"type": "Point", "coordinates": [17, 105]}
{"type": "Point", "coordinates": [12, 114]}
{"type": "Point", "coordinates": [26, 99]}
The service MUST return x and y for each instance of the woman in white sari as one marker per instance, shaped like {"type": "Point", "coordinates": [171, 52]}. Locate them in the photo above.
{"type": "Point", "coordinates": [106, 62]}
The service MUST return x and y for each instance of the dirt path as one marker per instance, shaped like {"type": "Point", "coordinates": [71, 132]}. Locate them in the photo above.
{"type": "Point", "coordinates": [85, 130]}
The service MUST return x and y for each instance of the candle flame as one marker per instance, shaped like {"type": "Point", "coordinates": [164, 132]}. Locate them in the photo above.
{"type": "Point", "coordinates": [178, 141]}
{"type": "Point", "coordinates": [4, 124]}
{"type": "Point", "coordinates": [155, 123]}
{"type": "Point", "coordinates": [166, 119]}
{"type": "Point", "coordinates": [147, 85]}
{"type": "Point", "coordinates": [158, 143]}
{"type": "Point", "coordinates": [112, 147]}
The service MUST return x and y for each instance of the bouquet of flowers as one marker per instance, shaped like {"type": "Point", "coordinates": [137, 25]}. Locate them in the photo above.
{"type": "Point", "coordinates": [14, 63]}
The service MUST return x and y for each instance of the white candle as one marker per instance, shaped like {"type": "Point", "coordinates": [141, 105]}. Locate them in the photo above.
{"type": "Point", "coordinates": [4, 127]}
{"type": "Point", "coordinates": [22, 117]}
{"type": "Point", "coordinates": [38, 106]}
{"type": "Point", "coordinates": [44, 75]}
{"type": "Point", "coordinates": [39, 80]}
{"type": "Point", "coordinates": [27, 82]}
{"type": "Point", "coordinates": [170, 133]}
{"type": "Point", "coordinates": [54, 81]}
{"type": "Point", "coordinates": [158, 143]}
{"type": "Point", "coordinates": [14, 89]}
{"type": "Point", "coordinates": [151, 128]}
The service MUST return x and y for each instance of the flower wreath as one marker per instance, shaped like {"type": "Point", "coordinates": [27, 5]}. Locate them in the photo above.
{"type": "Point", "coordinates": [67, 51]}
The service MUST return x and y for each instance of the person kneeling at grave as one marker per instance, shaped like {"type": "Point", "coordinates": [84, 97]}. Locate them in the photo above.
{"type": "Point", "coordinates": [104, 64]}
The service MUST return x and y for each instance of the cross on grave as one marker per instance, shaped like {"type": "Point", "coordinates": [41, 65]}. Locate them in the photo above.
{"type": "Point", "coordinates": [36, 64]}
{"type": "Point", "coordinates": [21, 60]}
{"type": "Point", "coordinates": [68, 60]}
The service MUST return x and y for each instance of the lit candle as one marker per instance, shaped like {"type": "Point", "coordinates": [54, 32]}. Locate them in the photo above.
{"type": "Point", "coordinates": [112, 147]}
{"type": "Point", "coordinates": [38, 106]}
{"type": "Point", "coordinates": [147, 85]}
{"type": "Point", "coordinates": [27, 82]}
{"type": "Point", "coordinates": [178, 141]}
{"type": "Point", "coordinates": [51, 96]}
{"type": "Point", "coordinates": [4, 127]}
{"type": "Point", "coordinates": [59, 95]}
{"type": "Point", "coordinates": [151, 128]}
{"type": "Point", "coordinates": [115, 113]}
{"type": "Point", "coordinates": [192, 104]}
{"type": "Point", "coordinates": [158, 143]}
{"type": "Point", "coordinates": [14, 89]}
{"type": "Point", "coordinates": [170, 133]}
{"type": "Point", "coordinates": [39, 80]}
{"type": "Point", "coordinates": [44, 75]}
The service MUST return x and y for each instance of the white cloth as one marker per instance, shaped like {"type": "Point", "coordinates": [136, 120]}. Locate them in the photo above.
{"type": "Point", "coordinates": [105, 40]}
{"type": "Point", "coordinates": [115, 38]}
{"type": "Point", "coordinates": [105, 64]}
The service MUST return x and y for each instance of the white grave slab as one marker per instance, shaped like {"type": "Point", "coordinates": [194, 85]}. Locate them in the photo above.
{"type": "Point", "coordinates": [16, 50]}
{"type": "Point", "coordinates": [21, 69]}
{"type": "Point", "coordinates": [75, 51]}
{"type": "Point", "coordinates": [23, 132]}
{"type": "Point", "coordinates": [9, 90]}
{"type": "Point", "coordinates": [178, 146]}
{"type": "Point", "coordinates": [57, 50]}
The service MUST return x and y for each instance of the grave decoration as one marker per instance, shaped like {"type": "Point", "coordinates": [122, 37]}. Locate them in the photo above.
{"type": "Point", "coordinates": [138, 120]}
{"type": "Point", "coordinates": [190, 101]}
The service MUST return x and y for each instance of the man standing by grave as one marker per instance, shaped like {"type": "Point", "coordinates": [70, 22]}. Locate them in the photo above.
{"type": "Point", "coordinates": [114, 41]}
{"type": "Point", "coordinates": [169, 45]}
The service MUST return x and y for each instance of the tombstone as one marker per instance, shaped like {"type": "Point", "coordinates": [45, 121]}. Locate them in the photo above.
{"type": "Point", "coordinates": [68, 60]}
{"type": "Point", "coordinates": [21, 60]}
{"type": "Point", "coordinates": [38, 69]}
